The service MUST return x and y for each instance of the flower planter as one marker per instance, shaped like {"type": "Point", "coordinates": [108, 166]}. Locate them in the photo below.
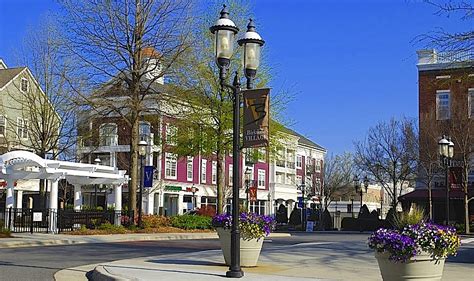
{"type": "Point", "coordinates": [421, 267]}
{"type": "Point", "coordinates": [249, 249]}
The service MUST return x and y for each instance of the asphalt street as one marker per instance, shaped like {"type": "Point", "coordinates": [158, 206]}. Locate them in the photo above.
{"type": "Point", "coordinates": [40, 263]}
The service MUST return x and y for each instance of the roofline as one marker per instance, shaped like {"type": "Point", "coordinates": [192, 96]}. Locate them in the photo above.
{"type": "Point", "coordinates": [9, 82]}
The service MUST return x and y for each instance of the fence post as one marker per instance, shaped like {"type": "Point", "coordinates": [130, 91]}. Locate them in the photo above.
{"type": "Point", "coordinates": [31, 220]}
{"type": "Point", "coordinates": [10, 219]}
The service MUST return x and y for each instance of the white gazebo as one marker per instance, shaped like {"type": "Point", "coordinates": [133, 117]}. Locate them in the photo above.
{"type": "Point", "coordinates": [24, 165]}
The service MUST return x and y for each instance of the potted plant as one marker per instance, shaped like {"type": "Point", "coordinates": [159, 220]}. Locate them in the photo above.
{"type": "Point", "coordinates": [253, 229]}
{"type": "Point", "coordinates": [417, 251]}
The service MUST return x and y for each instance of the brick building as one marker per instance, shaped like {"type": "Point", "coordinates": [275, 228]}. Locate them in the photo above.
{"type": "Point", "coordinates": [446, 107]}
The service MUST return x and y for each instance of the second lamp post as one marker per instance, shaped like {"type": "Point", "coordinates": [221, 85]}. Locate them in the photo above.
{"type": "Point", "coordinates": [142, 151]}
{"type": "Point", "coordinates": [446, 152]}
{"type": "Point", "coordinates": [358, 187]}
{"type": "Point", "coordinates": [225, 31]}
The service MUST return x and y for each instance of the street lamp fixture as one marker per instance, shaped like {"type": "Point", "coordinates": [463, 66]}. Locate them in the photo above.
{"type": "Point", "coordinates": [193, 191]}
{"type": "Point", "coordinates": [142, 152]}
{"type": "Point", "coordinates": [225, 31]}
{"type": "Point", "coordinates": [446, 153]}
{"type": "Point", "coordinates": [252, 42]}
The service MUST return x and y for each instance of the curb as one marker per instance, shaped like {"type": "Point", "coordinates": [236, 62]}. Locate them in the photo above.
{"type": "Point", "coordinates": [100, 273]}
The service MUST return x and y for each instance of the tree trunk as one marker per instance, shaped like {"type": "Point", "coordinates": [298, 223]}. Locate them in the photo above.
{"type": "Point", "coordinates": [132, 188]}
{"type": "Point", "coordinates": [220, 181]}
{"type": "Point", "coordinates": [466, 199]}
{"type": "Point", "coordinates": [430, 198]}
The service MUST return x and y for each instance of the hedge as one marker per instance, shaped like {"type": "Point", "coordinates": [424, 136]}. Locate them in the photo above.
{"type": "Point", "coordinates": [191, 222]}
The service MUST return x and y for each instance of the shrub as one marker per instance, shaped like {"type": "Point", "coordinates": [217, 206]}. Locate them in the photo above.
{"type": "Point", "coordinates": [112, 229]}
{"type": "Point", "coordinates": [364, 213]}
{"type": "Point", "coordinates": [191, 222]}
{"type": "Point", "coordinates": [282, 214]}
{"type": "Point", "coordinates": [207, 211]}
{"type": "Point", "coordinates": [4, 232]}
{"type": "Point", "coordinates": [327, 220]}
{"type": "Point", "coordinates": [154, 221]}
{"type": "Point", "coordinates": [295, 217]}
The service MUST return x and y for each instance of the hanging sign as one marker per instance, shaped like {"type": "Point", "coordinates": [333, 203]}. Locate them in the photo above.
{"type": "Point", "coordinates": [148, 174]}
{"type": "Point", "coordinates": [256, 117]}
{"type": "Point", "coordinates": [37, 216]}
{"type": "Point", "coordinates": [253, 194]}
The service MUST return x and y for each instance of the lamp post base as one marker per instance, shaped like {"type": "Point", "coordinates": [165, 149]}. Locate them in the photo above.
{"type": "Point", "coordinates": [234, 274]}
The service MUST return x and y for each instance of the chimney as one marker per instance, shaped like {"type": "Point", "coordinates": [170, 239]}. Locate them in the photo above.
{"type": "Point", "coordinates": [427, 56]}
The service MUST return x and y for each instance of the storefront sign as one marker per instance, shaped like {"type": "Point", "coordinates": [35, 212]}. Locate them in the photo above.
{"type": "Point", "coordinates": [256, 117]}
{"type": "Point", "coordinates": [148, 174]}
{"type": "Point", "coordinates": [253, 194]}
{"type": "Point", "coordinates": [173, 188]}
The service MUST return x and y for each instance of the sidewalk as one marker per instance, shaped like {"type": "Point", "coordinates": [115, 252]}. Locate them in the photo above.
{"type": "Point", "coordinates": [40, 239]}
{"type": "Point", "coordinates": [303, 262]}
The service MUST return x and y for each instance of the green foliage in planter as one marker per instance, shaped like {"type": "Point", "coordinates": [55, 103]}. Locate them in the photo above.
{"type": "Point", "coordinates": [189, 222]}
{"type": "Point", "coordinates": [416, 215]}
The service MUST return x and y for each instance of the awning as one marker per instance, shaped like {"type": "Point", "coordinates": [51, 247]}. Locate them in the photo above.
{"type": "Point", "coordinates": [436, 194]}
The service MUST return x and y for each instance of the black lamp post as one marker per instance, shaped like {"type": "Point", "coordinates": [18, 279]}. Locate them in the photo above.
{"type": "Point", "coordinates": [193, 191]}
{"type": "Point", "coordinates": [352, 206]}
{"type": "Point", "coordinates": [142, 151]}
{"type": "Point", "coordinates": [446, 152]}
{"type": "Point", "coordinates": [247, 186]}
{"type": "Point", "coordinates": [225, 31]}
{"type": "Point", "coordinates": [358, 187]}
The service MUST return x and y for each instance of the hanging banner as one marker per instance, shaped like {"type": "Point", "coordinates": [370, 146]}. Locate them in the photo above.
{"type": "Point", "coordinates": [256, 117]}
{"type": "Point", "coordinates": [253, 194]}
{"type": "Point", "coordinates": [148, 173]}
{"type": "Point", "coordinates": [455, 178]}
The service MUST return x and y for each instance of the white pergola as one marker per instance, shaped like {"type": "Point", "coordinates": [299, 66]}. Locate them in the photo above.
{"type": "Point", "coordinates": [24, 165]}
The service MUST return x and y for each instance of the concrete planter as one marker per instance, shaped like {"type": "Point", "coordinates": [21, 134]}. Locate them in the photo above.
{"type": "Point", "coordinates": [249, 249]}
{"type": "Point", "coordinates": [422, 267]}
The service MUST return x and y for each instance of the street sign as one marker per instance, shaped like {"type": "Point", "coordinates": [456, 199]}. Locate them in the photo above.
{"type": "Point", "coordinates": [148, 173]}
{"type": "Point", "coordinates": [300, 202]}
{"type": "Point", "coordinates": [256, 117]}
{"type": "Point", "coordinates": [253, 194]}
{"type": "Point", "coordinates": [309, 226]}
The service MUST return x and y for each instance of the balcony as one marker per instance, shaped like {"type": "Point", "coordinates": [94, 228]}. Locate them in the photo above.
{"type": "Point", "coordinates": [280, 163]}
{"type": "Point", "coordinates": [110, 140]}
{"type": "Point", "coordinates": [290, 165]}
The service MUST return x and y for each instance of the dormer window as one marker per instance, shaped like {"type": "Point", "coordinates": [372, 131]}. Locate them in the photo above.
{"type": "Point", "coordinates": [24, 85]}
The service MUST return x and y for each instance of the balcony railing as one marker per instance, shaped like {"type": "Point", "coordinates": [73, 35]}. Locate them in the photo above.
{"type": "Point", "coordinates": [290, 165]}
{"type": "Point", "coordinates": [280, 163]}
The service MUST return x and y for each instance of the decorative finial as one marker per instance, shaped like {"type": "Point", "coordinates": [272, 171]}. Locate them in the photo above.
{"type": "Point", "coordinates": [251, 25]}
{"type": "Point", "coordinates": [224, 12]}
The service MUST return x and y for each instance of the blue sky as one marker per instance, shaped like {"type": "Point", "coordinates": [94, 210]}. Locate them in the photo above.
{"type": "Point", "coordinates": [350, 63]}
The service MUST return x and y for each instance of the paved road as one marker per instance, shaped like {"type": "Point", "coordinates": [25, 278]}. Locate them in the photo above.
{"type": "Point", "coordinates": [40, 263]}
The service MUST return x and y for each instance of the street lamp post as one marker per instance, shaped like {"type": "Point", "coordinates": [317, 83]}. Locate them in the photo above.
{"type": "Point", "coordinates": [193, 191]}
{"type": "Point", "coordinates": [358, 187]}
{"type": "Point", "coordinates": [352, 206]}
{"type": "Point", "coordinates": [225, 31]}
{"type": "Point", "coordinates": [247, 186]}
{"type": "Point", "coordinates": [302, 187]}
{"type": "Point", "coordinates": [142, 151]}
{"type": "Point", "coordinates": [446, 152]}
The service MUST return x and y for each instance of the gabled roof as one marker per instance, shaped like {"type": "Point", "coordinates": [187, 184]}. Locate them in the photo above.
{"type": "Point", "coordinates": [6, 75]}
{"type": "Point", "coordinates": [302, 139]}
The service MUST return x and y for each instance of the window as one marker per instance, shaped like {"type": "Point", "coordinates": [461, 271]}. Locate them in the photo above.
{"type": "Point", "coordinates": [22, 128]}
{"type": "Point", "coordinates": [299, 161]}
{"type": "Point", "coordinates": [309, 161]}
{"type": "Point", "coordinates": [189, 168]}
{"type": "Point", "coordinates": [258, 207]}
{"type": "Point", "coordinates": [470, 101]}
{"type": "Point", "coordinates": [231, 175]}
{"type": "Point", "coordinates": [203, 170]}
{"type": "Point", "coordinates": [299, 180]}
{"type": "Point", "coordinates": [3, 125]}
{"type": "Point", "coordinates": [442, 105]}
{"type": "Point", "coordinates": [214, 172]}
{"type": "Point", "coordinates": [108, 134]}
{"type": "Point", "coordinates": [349, 208]}
{"type": "Point", "coordinates": [317, 165]}
{"type": "Point", "coordinates": [171, 134]}
{"type": "Point", "coordinates": [261, 179]}
{"type": "Point", "coordinates": [170, 166]}
{"type": "Point", "coordinates": [24, 85]}
{"type": "Point", "coordinates": [280, 177]}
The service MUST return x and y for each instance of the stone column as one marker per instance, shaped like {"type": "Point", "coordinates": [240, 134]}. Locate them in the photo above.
{"type": "Point", "coordinates": [77, 197]}
{"type": "Point", "coordinates": [53, 206]}
{"type": "Point", "coordinates": [198, 201]}
{"type": "Point", "coordinates": [180, 203]}
{"type": "Point", "coordinates": [118, 204]}
{"type": "Point", "coordinates": [19, 199]}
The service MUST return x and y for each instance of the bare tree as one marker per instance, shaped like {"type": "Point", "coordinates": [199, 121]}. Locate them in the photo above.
{"type": "Point", "coordinates": [389, 155]}
{"type": "Point", "coordinates": [124, 49]}
{"type": "Point", "coordinates": [338, 173]}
